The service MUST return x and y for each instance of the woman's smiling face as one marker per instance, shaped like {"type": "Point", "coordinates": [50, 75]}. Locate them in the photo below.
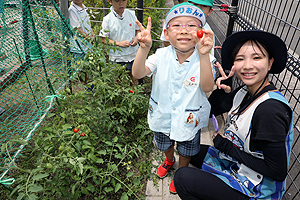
{"type": "Point", "coordinates": [252, 64]}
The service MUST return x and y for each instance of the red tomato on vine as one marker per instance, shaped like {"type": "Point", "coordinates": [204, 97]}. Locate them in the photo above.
{"type": "Point", "coordinates": [82, 134]}
{"type": "Point", "coordinates": [200, 33]}
{"type": "Point", "coordinates": [76, 130]}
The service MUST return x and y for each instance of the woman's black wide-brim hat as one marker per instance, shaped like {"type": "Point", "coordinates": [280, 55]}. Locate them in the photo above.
{"type": "Point", "coordinates": [273, 42]}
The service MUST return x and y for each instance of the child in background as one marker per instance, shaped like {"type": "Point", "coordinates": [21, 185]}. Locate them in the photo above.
{"type": "Point", "coordinates": [120, 28]}
{"type": "Point", "coordinates": [79, 19]}
{"type": "Point", "coordinates": [183, 75]}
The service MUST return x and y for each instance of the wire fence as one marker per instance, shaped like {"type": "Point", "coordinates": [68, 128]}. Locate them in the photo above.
{"type": "Point", "coordinates": [34, 66]}
{"type": "Point", "coordinates": [281, 18]}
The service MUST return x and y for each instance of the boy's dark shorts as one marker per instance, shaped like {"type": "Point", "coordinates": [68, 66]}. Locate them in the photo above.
{"type": "Point", "coordinates": [128, 65]}
{"type": "Point", "coordinates": [185, 148]}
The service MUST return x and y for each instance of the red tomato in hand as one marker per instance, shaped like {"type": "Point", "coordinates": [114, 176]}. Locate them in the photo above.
{"type": "Point", "coordinates": [76, 130]}
{"type": "Point", "coordinates": [200, 33]}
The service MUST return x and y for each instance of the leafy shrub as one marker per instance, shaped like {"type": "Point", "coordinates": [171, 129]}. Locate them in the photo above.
{"type": "Point", "coordinates": [105, 158]}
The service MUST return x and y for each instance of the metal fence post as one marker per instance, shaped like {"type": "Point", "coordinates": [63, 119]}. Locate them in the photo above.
{"type": "Point", "coordinates": [140, 18]}
{"type": "Point", "coordinates": [64, 5]}
{"type": "Point", "coordinates": [140, 10]}
{"type": "Point", "coordinates": [231, 19]}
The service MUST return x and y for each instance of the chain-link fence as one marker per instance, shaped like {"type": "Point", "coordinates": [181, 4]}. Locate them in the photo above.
{"type": "Point", "coordinates": [283, 19]}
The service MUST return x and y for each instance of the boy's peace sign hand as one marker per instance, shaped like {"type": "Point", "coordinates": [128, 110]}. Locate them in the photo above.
{"type": "Point", "coordinates": [226, 88]}
{"type": "Point", "coordinates": [144, 37]}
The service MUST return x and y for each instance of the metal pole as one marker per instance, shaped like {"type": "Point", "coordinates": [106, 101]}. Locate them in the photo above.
{"type": "Point", "coordinates": [64, 8]}
{"type": "Point", "coordinates": [64, 5]}
{"type": "Point", "coordinates": [105, 6]}
{"type": "Point", "coordinates": [140, 10]}
{"type": "Point", "coordinates": [231, 19]}
{"type": "Point", "coordinates": [25, 36]}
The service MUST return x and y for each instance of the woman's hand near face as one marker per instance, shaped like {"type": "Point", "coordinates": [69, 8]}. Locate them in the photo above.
{"type": "Point", "coordinates": [226, 88]}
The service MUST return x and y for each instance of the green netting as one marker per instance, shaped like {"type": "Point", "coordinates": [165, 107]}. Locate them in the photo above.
{"type": "Point", "coordinates": [34, 66]}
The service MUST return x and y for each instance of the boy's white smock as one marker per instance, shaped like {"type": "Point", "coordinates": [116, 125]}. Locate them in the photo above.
{"type": "Point", "coordinates": [120, 28]}
{"type": "Point", "coordinates": [79, 19]}
{"type": "Point", "coordinates": [177, 107]}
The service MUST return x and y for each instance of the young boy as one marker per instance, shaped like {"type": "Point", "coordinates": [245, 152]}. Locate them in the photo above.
{"type": "Point", "coordinates": [183, 75]}
{"type": "Point", "coordinates": [207, 8]}
{"type": "Point", "coordinates": [80, 20]}
{"type": "Point", "coordinates": [120, 28]}
{"type": "Point", "coordinates": [162, 36]}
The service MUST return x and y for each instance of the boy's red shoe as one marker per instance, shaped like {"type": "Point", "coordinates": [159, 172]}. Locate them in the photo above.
{"type": "Point", "coordinates": [163, 169]}
{"type": "Point", "coordinates": [172, 188]}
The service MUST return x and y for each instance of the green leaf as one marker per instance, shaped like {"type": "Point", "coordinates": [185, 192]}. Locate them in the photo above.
{"type": "Point", "coordinates": [74, 187]}
{"type": "Point", "coordinates": [89, 108]}
{"type": "Point", "coordinates": [108, 143]}
{"type": "Point", "coordinates": [20, 197]}
{"type": "Point", "coordinates": [36, 188]}
{"type": "Point", "coordinates": [115, 139]}
{"type": "Point", "coordinates": [40, 176]}
{"type": "Point", "coordinates": [119, 156]}
{"type": "Point", "coordinates": [81, 159]}
{"type": "Point", "coordinates": [50, 115]}
{"type": "Point", "coordinates": [102, 152]}
{"type": "Point", "coordinates": [79, 111]}
{"type": "Point", "coordinates": [20, 141]}
{"type": "Point", "coordinates": [118, 186]}
{"type": "Point", "coordinates": [87, 142]}
{"type": "Point", "coordinates": [66, 126]}
{"type": "Point", "coordinates": [136, 181]}
{"type": "Point", "coordinates": [86, 146]}
{"type": "Point", "coordinates": [99, 160]}
{"type": "Point", "coordinates": [69, 132]}
{"type": "Point", "coordinates": [108, 189]}
{"type": "Point", "coordinates": [78, 146]}
{"type": "Point", "coordinates": [63, 115]}
{"type": "Point", "coordinates": [84, 190]}
{"type": "Point", "coordinates": [124, 197]}
{"type": "Point", "coordinates": [129, 174]}
{"type": "Point", "coordinates": [68, 90]}
{"type": "Point", "coordinates": [90, 187]}
{"type": "Point", "coordinates": [106, 181]}
{"type": "Point", "coordinates": [80, 168]}
{"type": "Point", "coordinates": [72, 162]}
{"type": "Point", "coordinates": [32, 197]}
{"type": "Point", "coordinates": [3, 148]}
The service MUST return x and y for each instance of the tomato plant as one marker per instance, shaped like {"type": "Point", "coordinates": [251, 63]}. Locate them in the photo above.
{"type": "Point", "coordinates": [200, 33]}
